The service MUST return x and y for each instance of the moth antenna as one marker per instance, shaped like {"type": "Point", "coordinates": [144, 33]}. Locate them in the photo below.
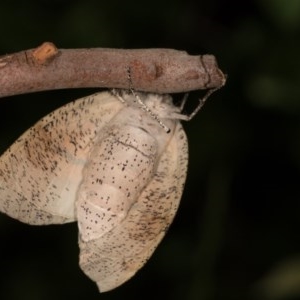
{"type": "Point", "coordinates": [144, 106]}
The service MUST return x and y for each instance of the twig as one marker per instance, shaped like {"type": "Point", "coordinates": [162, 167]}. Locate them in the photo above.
{"type": "Point", "coordinates": [151, 70]}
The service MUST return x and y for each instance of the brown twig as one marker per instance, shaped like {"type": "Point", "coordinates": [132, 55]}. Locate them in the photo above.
{"type": "Point", "coordinates": [151, 70]}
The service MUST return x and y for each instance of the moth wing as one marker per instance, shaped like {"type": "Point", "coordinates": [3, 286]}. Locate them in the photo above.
{"type": "Point", "coordinates": [119, 254]}
{"type": "Point", "coordinates": [40, 173]}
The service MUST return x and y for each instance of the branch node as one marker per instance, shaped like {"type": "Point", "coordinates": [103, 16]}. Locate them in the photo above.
{"type": "Point", "coordinates": [44, 53]}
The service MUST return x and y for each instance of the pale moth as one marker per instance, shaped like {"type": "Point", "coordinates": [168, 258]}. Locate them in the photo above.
{"type": "Point", "coordinates": [109, 164]}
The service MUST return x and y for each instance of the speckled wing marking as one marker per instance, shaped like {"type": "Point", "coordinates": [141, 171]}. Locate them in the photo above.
{"type": "Point", "coordinates": [111, 166]}
{"type": "Point", "coordinates": [40, 173]}
{"type": "Point", "coordinates": [130, 193]}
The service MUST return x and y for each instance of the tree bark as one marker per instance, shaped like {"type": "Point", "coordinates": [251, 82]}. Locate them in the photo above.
{"type": "Point", "coordinates": [148, 70]}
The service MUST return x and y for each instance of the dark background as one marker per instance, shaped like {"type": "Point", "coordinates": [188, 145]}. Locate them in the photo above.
{"type": "Point", "coordinates": [236, 234]}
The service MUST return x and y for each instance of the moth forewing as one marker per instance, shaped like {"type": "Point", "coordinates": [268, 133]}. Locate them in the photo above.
{"type": "Point", "coordinates": [117, 163]}
{"type": "Point", "coordinates": [126, 238]}
{"type": "Point", "coordinates": [40, 173]}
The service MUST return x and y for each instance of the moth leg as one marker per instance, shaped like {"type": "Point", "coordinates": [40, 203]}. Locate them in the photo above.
{"type": "Point", "coordinates": [197, 109]}
{"type": "Point", "coordinates": [183, 101]}
{"type": "Point", "coordinates": [116, 93]}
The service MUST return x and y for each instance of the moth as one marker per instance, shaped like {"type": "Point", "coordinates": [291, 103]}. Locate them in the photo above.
{"type": "Point", "coordinates": [118, 168]}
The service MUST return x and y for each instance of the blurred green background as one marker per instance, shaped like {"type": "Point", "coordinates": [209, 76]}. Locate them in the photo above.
{"type": "Point", "coordinates": [236, 234]}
